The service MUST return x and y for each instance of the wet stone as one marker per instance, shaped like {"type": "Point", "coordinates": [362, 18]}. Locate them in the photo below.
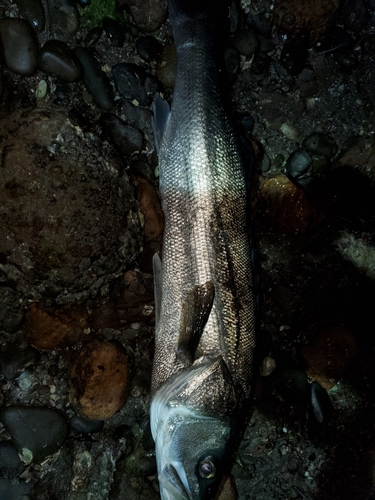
{"type": "Point", "coordinates": [153, 85]}
{"type": "Point", "coordinates": [10, 462]}
{"type": "Point", "coordinates": [138, 117]}
{"type": "Point", "coordinates": [298, 163]}
{"type": "Point", "coordinates": [95, 80]}
{"type": "Point", "coordinates": [319, 143]}
{"type": "Point", "coordinates": [151, 209]}
{"type": "Point", "coordinates": [321, 405]}
{"type": "Point", "coordinates": [37, 432]}
{"type": "Point", "coordinates": [129, 80]}
{"type": "Point", "coordinates": [245, 42]}
{"type": "Point", "coordinates": [33, 12]}
{"type": "Point", "coordinates": [148, 15]}
{"type": "Point", "coordinates": [15, 361]}
{"type": "Point", "coordinates": [46, 331]}
{"type": "Point", "coordinates": [142, 169]}
{"type": "Point", "coordinates": [20, 46]}
{"type": "Point", "coordinates": [64, 19]}
{"type": "Point", "coordinates": [126, 138]}
{"type": "Point", "coordinates": [85, 426]}
{"type": "Point", "coordinates": [259, 22]}
{"type": "Point", "coordinates": [93, 36]}
{"type": "Point", "coordinates": [57, 59]}
{"type": "Point", "coordinates": [100, 378]}
{"type": "Point", "coordinates": [167, 65]}
{"type": "Point", "coordinates": [148, 48]}
{"type": "Point", "coordinates": [329, 355]}
{"type": "Point", "coordinates": [11, 312]}
{"type": "Point", "coordinates": [14, 490]}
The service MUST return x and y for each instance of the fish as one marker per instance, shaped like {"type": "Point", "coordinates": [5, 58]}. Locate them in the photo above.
{"type": "Point", "coordinates": [205, 296]}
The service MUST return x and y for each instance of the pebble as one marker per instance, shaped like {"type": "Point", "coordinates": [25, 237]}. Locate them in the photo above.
{"type": "Point", "coordinates": [294, 53]}
{"type": "Point", "coordinates": [14, 361]}
{"type": "Point", "coordinates": [138, 117]}
{"type": "Point", "coordinates": [85, 426]}
{"type": "Point", "coordinates": [288, 207]}
{"type": "Point", "coordinates": [14, 490]}
{"type": "Point", "coordinates": [142, 169]}
{"type": "Point", "coordinates": [167, 65]}
{"type": "Point", "coordinates": [148, 48]}
{"type": "Point", "coordinates": [20, 47]}
{"type": "Point", "coordinates": [99, 378]}
{"type": "Point", "coordinates": [328, 356]}
{"type": "Point", "coordinates": [129, 80]}
{"type": "Point", "coordinates": [47, 331]}
{"type": "Point", "coordinates": [93, 36]}
{"type": "Point", "coordinates": [320, 143]}
{"type": "Point", "coordinates": [33, 12]}
{"type": "Point", "coordinates": [245, 42]}
{"type": "Point", "coordinates": [298, 163]}
{"type": "Point", "coordinates": [95, 80]}
{"type": "Point", "coordinates": [320, 403]}
{"type": "Point", "coordinates": [289, 379]}
{"type": "Point", "coordinates": [115, 31]}
{"type": "Point", "coordinates": [151, 209]}
{"type": "Point", "coordinates": [267, 366]}
{"type": "Point", "coordinates": [10, 462]}
{"type": "Point", "coordinates": [11, 313]}
{"type": "Point", "coordinates": [41, 89]}
{"type": "Point", "coordinates": [56, 58]}
{"type": "Point", "coordinates": [36, 431]}
{"type": "Point", "coordinates": [64, 19]}
{"type": "Point", "coordinates": [126, 138]}
{"type": "Point", "coordinates": [148, 15]}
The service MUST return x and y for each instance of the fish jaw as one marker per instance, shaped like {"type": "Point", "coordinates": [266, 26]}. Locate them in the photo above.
{"type": "Point", "coordinates": [193, 441]}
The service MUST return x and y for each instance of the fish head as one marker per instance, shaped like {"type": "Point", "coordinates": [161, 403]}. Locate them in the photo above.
{"type": "Point", "coordinates": [192, 422]}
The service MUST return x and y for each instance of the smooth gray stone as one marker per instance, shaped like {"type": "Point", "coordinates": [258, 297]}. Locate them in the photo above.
{"type": "Point", "coordinates": [64, 19]}
{"type": "Point", "coordinates": [33, 12]}
{"type": "Point", "coordinates": [36, 431]}
{"type": "Point", "coordinates": [130, 82]}
{"type": "Point", "coordinates": [125, 137]}
{"type": "Point", "coordinates": [14, 490]}
{"type": "Point", "coordinates": [10, 462]}
{"type": "Point", "coordinates": [19, 46]}
{"type": "Point", "coordinates": [95, 80]}
{"type": "Point", "coordinates": [85, 425]}
{"type": "Point", "coordinates": [57, 59]}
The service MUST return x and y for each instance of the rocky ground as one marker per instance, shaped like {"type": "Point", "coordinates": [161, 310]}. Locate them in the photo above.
{"type": "Point", "coordinates": [80, 220]}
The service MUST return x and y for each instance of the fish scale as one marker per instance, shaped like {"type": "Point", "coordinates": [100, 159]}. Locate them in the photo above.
{"type": "Point", "coordinates": [206, 240]}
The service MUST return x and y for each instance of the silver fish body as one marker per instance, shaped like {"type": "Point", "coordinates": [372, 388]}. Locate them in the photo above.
{"type": "Point", "coordinates": [205, 337]}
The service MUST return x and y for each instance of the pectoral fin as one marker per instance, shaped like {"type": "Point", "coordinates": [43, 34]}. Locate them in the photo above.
{"type": "Point", "coordinates": [196, 309]}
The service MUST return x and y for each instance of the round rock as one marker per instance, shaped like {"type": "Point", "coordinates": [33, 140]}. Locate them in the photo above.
{"type": "Point", "coordinates": [64, 19]}
{"type": "Point", "coordinates": [130, 82]}
{"type": "Point", "coordinates": [126, 138]}
{"type": "Point", "coordinates": [14, 490]}
{"type": "Point", "coordinates": [20, 46]}
{"type": "Point", "coordinates": [167, 65]}
{"type": "Point", "coordinates": [245, 42]}
{"type": "Point", "coordinates": [148, 48]}
{"type": "Point", "coordinates": [33, 12]}
{"type": "Point", "coordinates": [10, 462]}
{"type": "Point", "coordinates": [319, 143]}
{"type": "Point", "coordinates": [57, 59]}
{"type": "Point", "coordinates": [100, 377]}
{"type": "Point", "coordinates": [298, 163]}
{"type": "Point", "coordinates": [85, 426]}
{"type": "Point", "coordinates": [36, 431]}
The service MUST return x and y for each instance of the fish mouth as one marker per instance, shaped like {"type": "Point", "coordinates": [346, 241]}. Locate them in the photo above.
{"type": "Point", "coordinates": [172, 486]}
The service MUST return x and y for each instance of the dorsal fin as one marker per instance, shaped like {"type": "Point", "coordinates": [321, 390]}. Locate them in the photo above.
{"type": "Point", "coordinates": [156, 264]}
{"type": "Point", "coordinates": [195, 311]}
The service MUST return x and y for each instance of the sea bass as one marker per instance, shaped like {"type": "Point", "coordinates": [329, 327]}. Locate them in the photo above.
{"type": "Point", "coordinates": [203, 368]}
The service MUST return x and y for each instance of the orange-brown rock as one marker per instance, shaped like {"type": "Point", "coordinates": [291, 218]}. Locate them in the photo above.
{"type": "Point", "coordinates": [287, 205]}
{"type": "Point", "coordinates": [290, 16]}
{"type": "Point", "coordinates": [151, 209]}
{"type": "Point", "coordinates": [329, 355]}
{"type": "Point", "coordinates": [47, 331]}
{"type": "Point", "coordinates": [99, 378]}
{"type": "Point", "coordinates": [228, 490]}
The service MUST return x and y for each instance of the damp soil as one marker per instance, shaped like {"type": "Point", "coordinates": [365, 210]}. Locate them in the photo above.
{"type": "Point", "coordinates": [72, 226]}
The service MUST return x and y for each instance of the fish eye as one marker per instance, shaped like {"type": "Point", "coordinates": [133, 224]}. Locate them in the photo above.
{"type": "Point", "coordinates": [207, 468]}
